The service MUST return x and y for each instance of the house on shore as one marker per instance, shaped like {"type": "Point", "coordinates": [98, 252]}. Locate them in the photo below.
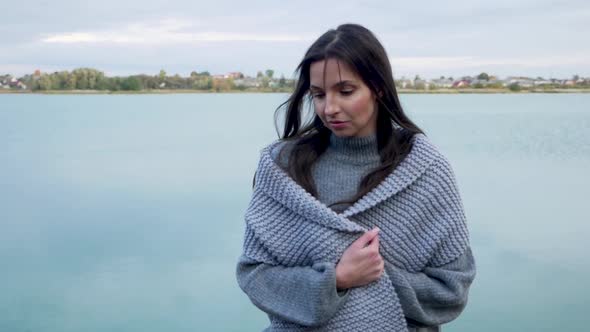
{"type": "Point", "coordinates": [523, 82]}
{"type": "Point", "coordinates": [442, 82]}
{"type": "Point", "coordinates": [8, 82]}
{"type": "Point", "coordinates": [461, 84]}
{"type": "Point", "coordinates": [404, 83]}
{"type": "Point", "coordinates": [248, 82]}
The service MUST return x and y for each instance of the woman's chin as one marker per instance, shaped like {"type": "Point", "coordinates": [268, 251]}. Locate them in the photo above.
{"type": "Point", "coordinates": [342, 133]}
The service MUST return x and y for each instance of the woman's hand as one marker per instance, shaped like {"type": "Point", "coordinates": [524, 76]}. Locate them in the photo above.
{"type": "Point", "coordinates": [361, 262]}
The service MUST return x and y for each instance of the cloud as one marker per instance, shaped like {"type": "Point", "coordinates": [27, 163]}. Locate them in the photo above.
{"type": "Point", "coordinates": [418, 64]}
{"type": "Point", "coordinates": [454, 38]}
{"type": "Point", "coordinates": [170, 31]}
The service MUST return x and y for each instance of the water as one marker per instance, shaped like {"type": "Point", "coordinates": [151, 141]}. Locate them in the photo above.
{"type": "Point", "coordinates": [124, 213]}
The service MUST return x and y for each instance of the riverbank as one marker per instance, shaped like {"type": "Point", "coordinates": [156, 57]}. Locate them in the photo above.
{"type": "Point", "coordinates": [185, 91]}
{"type": "Point", "coordinates": [491, 91]}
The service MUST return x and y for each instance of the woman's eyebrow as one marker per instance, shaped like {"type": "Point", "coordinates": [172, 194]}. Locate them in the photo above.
{"type": "Point", "coordinates": [347, 82]}
{"type": "Point", "coordinates": [339, 84]}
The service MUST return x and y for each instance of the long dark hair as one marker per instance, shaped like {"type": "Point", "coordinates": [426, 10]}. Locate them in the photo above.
{"type": "Point", "coordinates": [360, 50]}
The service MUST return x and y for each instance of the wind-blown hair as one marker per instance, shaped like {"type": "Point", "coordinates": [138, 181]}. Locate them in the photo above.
{"type": "Point", "coordinates": [363, 53]}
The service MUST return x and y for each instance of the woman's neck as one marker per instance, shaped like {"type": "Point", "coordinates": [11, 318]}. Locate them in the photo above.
{"type": "Point", "coordinates": [357, 149]}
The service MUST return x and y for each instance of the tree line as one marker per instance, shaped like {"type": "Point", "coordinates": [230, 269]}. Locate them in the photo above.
{"type": "Point", "coordinates": [92, 79]}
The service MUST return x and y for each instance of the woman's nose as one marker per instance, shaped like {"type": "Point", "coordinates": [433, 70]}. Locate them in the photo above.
{"type": "Point", "coordinates": [332, 106]}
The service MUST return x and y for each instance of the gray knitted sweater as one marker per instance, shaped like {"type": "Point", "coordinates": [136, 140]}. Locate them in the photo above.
{"type": "Point", "coordinates": [430, 280]}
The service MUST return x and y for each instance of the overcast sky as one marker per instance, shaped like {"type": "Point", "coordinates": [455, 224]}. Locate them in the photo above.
{"type": "Point", "coordinates": [428, 38]}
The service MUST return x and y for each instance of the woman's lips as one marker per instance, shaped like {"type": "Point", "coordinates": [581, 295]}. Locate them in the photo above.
{"type": "Point", "coordinates": [338, 124]}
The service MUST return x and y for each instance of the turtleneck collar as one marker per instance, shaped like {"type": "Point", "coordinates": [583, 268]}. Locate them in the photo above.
{"type": "Point", "coordinates": [356, 149]}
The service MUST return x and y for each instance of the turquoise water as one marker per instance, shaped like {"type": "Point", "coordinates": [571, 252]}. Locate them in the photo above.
{"type": "Point", "coordinates": [124, 213]}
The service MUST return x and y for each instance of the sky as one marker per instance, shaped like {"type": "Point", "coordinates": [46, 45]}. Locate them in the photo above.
{"type": "Point", "coordinates": [426, 38]}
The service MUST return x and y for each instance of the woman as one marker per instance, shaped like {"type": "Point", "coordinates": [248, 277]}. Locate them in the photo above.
{"type": "Point", "coordinates": [355, 223]}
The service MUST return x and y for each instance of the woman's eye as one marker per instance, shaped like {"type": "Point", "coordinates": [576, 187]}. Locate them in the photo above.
{"type": "Point", "coordinates": [318, 95]}
{"type": "Point", "coordinates": [346, 92]}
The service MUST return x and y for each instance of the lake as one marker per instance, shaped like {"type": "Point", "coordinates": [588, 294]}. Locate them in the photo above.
{"type": "Point", "coordinates": [125, 212]}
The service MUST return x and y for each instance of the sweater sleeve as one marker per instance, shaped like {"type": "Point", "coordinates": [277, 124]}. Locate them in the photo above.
{"type": "Point", "coordinates": [304, 295]}
{"type": "Point", "coordinates": [435, 295]}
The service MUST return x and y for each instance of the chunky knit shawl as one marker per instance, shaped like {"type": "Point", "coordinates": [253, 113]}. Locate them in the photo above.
{"type": "Point", "coordinates": [417, 208]}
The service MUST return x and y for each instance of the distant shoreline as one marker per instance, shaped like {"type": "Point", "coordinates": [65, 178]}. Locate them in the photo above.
{"type": "Point", "coordinates": [184, 91]}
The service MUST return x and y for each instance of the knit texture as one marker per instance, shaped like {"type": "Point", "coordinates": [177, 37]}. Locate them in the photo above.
{"type": "Point", "coordinates": [417, 207]}
{"type": "Point", "coordinates": [339, 170]}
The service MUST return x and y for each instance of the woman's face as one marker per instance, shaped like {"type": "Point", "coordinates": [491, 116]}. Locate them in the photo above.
{"type": "Point", "coordinates": [344, 103]}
